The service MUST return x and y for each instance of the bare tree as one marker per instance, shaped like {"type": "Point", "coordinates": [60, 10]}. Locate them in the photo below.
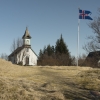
{"type": "Point", "coordinates": [94, 43]}
{"type": "Point", "coordinates": [19, 42]}
{"type": "Point", "coordinates": [16, 43]}
{"type": "Point", "coordinates": [81, 59]}
{"type": "Point", "coordinates": [13, 47]}
{"type": "Point", "coordinates": [4, 56]}
{"type": "Point", "coordinates": [93, 46]}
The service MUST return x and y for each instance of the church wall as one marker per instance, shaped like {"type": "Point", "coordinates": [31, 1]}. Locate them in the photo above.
{"type": "Point", "coordinates": [33, 58]}
{"type": "Point", "coordinates": [12, 59]}
{"type": "Point", "coordinates": [21, 57]}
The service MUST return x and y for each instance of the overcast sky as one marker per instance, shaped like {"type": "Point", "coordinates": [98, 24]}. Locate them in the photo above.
{"type": "Point", "coordinates": [46, 21]}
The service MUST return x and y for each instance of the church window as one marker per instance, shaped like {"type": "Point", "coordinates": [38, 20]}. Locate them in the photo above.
{"type": "Point", "coordinates": [27, 41]}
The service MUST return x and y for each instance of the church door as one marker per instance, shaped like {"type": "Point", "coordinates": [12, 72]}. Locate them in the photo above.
{"type": "Point", "coordinates": [27, 60]}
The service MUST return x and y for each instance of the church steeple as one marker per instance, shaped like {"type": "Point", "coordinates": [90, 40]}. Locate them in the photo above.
{"type": "Point", "coordinates": [26, 34]}
{"type": "Point", "coordinates": [26, 38]}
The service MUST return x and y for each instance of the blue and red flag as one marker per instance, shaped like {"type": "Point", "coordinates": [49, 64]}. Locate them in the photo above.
{"type": "Point", "coordinates": [84, 14]}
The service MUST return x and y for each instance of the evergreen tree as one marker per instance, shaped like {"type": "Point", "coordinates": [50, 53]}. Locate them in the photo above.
{"type": "Point", "coordinates": [40, 54]}
{"type": "Point", "coordinates": [61, 46]}
{"type": "Point", "coordinates": [49, 52]}
{"type": "Point", "coordinates": [58, 55]}
{"type": "Point", "coordinates": [45, 50]}
{"type": "Point", "coordinates": [53, 49]}
{"type": "Point", "coordinates": [62, 52]}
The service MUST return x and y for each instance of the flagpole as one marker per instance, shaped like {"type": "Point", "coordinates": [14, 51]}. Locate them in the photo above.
{"type": "Point", "coordinates": [78, 41]}
{"type": "Point", "coordinates": [83, 14]}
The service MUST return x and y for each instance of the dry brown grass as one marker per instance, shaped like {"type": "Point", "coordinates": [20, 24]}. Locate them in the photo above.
{"type": "Point", "coordinates": [47, 83]}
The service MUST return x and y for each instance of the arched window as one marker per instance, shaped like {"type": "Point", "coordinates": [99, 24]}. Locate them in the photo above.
{"type": "Point", "coordinates": [27, 41]}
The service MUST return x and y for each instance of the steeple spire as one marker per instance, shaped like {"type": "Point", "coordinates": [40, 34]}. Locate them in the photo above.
{"type": "Point", "coordinates": [26, 28]}
{"type": "Point", "coordinates": [26, 34]}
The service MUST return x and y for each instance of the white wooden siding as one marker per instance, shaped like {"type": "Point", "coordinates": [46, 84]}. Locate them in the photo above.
{"type": "Point", "coordinates": [21, 56]}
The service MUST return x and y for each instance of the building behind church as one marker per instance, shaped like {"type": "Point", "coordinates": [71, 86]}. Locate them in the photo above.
{"type": "Point", "coordinates": [24, 55]}
{"type": "Point", "coordinates": [93, 59]}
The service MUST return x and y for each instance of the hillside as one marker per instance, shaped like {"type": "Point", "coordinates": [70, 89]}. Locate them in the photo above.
{"type": "Point", "coordinates": [48, 83]}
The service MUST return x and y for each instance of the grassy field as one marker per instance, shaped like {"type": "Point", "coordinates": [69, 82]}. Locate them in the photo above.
{"type": "Point", "coordinates": [48, 83]}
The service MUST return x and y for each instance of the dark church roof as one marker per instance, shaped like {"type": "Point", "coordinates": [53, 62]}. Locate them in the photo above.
{"type": "Point", "coordinates": [92, 59]}
{"type": "Point", "coordinates": [18, 50]}
{"type": "Point", "coordinates": [26, 34]}
{"type": "Point", "coordinates": [93, 54]}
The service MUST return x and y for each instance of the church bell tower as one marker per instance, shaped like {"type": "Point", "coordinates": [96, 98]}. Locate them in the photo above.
{"type": "Point", "coordinates": [26, 38]}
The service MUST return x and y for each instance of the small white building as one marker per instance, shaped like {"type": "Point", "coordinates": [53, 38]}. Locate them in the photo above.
{"type": "Point", "coordinates": [24, 55]}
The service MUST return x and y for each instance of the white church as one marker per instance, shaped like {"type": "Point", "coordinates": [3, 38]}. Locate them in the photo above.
{"type": "Point", "coordinates": [24, 55]}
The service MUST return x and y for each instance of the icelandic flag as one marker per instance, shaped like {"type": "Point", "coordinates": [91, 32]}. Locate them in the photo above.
{"type": "Point", "coordinates": [84, 14]}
